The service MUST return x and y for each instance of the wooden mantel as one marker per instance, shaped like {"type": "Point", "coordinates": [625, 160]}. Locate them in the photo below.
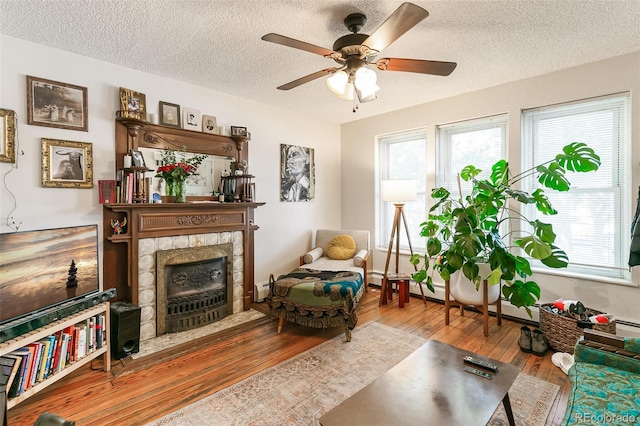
{"type": "Point", "coordinates": [156, 220]}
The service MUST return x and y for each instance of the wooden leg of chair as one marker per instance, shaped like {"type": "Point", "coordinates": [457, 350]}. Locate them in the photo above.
{"type": "Point", "coordinates": [447, 302]}
{"type": "Point", "coordinates": [485, 306]}
{"type": "Point", "coordinates": [280, 322]}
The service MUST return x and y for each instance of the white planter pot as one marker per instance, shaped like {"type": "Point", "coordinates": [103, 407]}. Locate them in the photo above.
{"type": "Point", "coordinates": [464, 291]}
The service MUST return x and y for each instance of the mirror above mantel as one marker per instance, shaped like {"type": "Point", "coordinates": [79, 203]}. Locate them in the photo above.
{"type": "Point", "coordinates": [152, 139]}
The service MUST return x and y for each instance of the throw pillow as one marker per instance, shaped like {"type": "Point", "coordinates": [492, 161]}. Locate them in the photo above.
{"type": "Point", "coordinates": [341, 247]}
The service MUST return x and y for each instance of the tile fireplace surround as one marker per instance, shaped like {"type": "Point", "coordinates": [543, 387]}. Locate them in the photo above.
{"type": "Point", "coordinates": [130, 257]}
{"type": "Point", "coordinates": [147, 291]}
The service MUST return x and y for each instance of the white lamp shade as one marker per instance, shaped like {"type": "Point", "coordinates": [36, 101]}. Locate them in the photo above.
{"type": "Point", "coordinates": [337, 82]}
{"type": "Point", "coordinates": [366, 82]}
{"type": "Point", "coordinates": [399, 190]}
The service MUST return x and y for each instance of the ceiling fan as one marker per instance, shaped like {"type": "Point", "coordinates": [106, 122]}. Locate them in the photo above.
{"type": "Point", "coordinates": [356, 52]}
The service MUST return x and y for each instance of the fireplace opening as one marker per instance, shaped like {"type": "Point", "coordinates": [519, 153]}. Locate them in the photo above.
{"type": "Point", "coordinates": [194, 287]}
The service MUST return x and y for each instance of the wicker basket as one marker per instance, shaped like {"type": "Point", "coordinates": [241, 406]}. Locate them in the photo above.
{"type": "Point", "coordinates": [562, 333]}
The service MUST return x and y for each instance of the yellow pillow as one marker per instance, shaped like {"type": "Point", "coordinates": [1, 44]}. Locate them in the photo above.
{"type": "Point", "coordinates": [341, 247]}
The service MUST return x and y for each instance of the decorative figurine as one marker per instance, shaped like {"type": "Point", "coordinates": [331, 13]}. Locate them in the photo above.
{"type": "Point", "coordinates": [118, 226]}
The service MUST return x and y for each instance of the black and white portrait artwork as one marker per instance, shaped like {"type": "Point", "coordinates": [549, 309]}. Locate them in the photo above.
{"type": "Point", "coordinates": [67, 164]}
{"type": "Point", "coordinates": [297, 173]}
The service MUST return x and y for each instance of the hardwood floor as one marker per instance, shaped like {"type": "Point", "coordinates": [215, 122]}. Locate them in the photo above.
{"type": "Point", "coordinates": [142, 391]}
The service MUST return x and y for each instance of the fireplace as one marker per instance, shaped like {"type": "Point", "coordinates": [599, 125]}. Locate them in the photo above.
{"type": "Point", "coordinates": [213, 266]}
{"type": "Point", "coordinates": [130, 258]}
{"type": "Point", "coordinates": [194, 287]}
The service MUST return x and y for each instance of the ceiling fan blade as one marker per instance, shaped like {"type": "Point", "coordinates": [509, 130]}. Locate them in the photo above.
{"type": "Point", "coordinates": [416, 65]}
{"type": "Point", "coordinates": [297, 44]}
{"type": "Point", "coordinates": [402, 20]}
{"type": "Point", "coordinates": [307, 78]}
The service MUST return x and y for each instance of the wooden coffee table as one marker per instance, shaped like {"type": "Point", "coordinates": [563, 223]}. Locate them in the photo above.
{"type": "Point", "coordinates": [429, 387]}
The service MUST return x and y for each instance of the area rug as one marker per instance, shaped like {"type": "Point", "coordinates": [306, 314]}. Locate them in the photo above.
{"type": "Point", "coordinates": [300, 390]}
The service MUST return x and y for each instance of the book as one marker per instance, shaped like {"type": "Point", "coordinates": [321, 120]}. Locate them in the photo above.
{"type": "Point", "coordinates": [32, 360]}
{"type": "Point", "coordinates": [7, 367]}
{"type": "Point", "coordinates": [42, 371]}
{"type": "Point", "coordinates": [15, 370]}
{"type": "Point", "coordinates": [25, 354]}
{"type": "Point", "coordinates": [107, 191]}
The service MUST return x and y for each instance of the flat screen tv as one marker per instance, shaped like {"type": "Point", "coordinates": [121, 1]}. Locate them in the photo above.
{"type": "Point", "coordinates": [45, 268]}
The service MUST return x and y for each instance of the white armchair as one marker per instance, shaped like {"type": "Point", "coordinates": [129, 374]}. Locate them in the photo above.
{"type": "Point", "coordinates": [360, 262]}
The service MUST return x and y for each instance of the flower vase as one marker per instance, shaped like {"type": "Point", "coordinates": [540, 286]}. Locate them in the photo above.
{"type": "Point", "coordinates": [180, 188]}
{"type": "Point", "coordinates": [169, 188]}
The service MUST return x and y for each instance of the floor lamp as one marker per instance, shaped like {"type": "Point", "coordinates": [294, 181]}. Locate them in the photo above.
{"type": "Point", "coordinates": [397, 191]}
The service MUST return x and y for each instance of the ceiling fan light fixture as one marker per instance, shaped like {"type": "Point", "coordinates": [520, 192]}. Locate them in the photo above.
{"type": "Point", "coordinates": [365, 81]}
{"type": "Point", "coordinates": [337, 83]}
{"type": "Point", "coordinates": [348, 92]}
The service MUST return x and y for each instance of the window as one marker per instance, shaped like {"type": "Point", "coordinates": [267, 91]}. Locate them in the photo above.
{"type": "Point", "coordinates": [592, 224]}
{"type": "Point", "coordinates": [402, 156]}
{"type": "Point", "coordinates": [480, 142]}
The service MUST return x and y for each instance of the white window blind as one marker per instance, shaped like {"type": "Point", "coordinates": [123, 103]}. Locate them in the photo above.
{"type": "Point", "coordinates": [402, 155]}
{"type": "Point", "coordinates": [479, 142]}
{"type": "Point", "coordinates": [592, 224]}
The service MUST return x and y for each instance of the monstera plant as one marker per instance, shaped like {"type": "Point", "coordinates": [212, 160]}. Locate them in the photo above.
{"type": "Point", "coordinates": [463, 232]}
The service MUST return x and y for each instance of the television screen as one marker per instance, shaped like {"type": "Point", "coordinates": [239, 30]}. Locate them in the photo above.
{"type": "Point", "coordinates": [44, 268]}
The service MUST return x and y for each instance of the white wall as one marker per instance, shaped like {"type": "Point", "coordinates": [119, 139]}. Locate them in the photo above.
{"type": "Point", "coordinates": [611, 76]}
{"type": "Point", "coordinates": [285, 228]}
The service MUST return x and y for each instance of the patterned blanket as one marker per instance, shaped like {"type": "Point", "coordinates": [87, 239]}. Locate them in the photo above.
{"type": "Point", "coordinates": [315, 298]}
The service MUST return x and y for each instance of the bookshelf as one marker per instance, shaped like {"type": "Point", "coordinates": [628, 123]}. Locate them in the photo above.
{"type": "Point", "coordinates": [48, 330]}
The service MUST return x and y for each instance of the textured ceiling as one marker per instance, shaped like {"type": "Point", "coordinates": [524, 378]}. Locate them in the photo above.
{"type": "Point", "coordinates": [216, 43]}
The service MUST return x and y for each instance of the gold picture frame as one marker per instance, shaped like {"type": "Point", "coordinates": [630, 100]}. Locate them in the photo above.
{"type": "Point", "coordinates": [7, 136]}
{"type": "Point", "coordinates": [132, 104]}
{"type": "Point", "coordinates": [67, 164]}
{"type": "Point", "coordinates": [55, 104]}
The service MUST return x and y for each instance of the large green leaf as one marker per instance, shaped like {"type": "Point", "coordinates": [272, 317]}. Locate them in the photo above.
{"type": "Point", "coordinates": [470, 270]}
{"type": "Point", "coordinates": [520, 196]}
{"type": "Point", "coordinates": [578, 157]}
{"type": "Point", "coordinates": [534, 247]}
{"type": "Point", "coordinates": [433, 246]}
{"type": "Point", "coordinates": [544, 231]}
{"type": "Point", "coordinates": [557, 259]}
{"type": "Point", "coordinates": [523, 267]}
{"type": "Point", "coordinates": [495, 277]}
{"type": "Point", "coordinates": [553, 177]}
{"type": "Point", "coordinates": [542, 202]}
{"type": "Point", "coordinates": [500, 173]}
{"type": "Point", "coordinates": [469, 172]}
{"type": "Point", "coordinates": [521, 293]}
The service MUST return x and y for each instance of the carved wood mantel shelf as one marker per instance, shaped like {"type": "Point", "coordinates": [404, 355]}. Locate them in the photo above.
{"type": "Point", "coordinates": [159, 220]}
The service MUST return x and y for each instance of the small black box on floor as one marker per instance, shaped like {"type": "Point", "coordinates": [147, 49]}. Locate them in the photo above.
{"type": "Point", "coordinates": [125, 329]}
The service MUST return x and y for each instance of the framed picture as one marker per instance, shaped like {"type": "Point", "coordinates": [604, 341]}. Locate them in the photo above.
{"type": "Point", "coordinates": [133, 104]}
{"type": "Point", "coordinates": [7, 136]}
{"type": "Point", "coordinates": [297, 173]}
{"type": "Point", "coordinates": [67, 164]}
{"type": "Point", "coordinates": [169, 114]}
{"type": "Point", "coordinates": [209, 124]}
{"type": "Point", "coordinates": [54, 104]}
{"type": "Point", "coordinates": [137, 159]}
{"type": "Point", "coordinates": [191, 119]}
{"type": "Point", "coordinates": [238, 131]}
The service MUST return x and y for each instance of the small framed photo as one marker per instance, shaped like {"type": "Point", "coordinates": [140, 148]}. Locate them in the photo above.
{"type": "Point", "coordinates": [67, 164]}
{"type": "Point", "coordinates": [209, 124]}
{"type": "Point", "coordinates": [54, 104]}
{"type": "Point", "coordinates": [169, 114]}
{"type": "Point", "coordinates": [191, 119]}
{"type": "Point", "coordinates": [238, 131]}
{"type": "Point", "coordinates": [7, 136]}
{"type": "Point", "coordinates": [137, 159]}
{"type": "Point", "coordinates": [133, 104]}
